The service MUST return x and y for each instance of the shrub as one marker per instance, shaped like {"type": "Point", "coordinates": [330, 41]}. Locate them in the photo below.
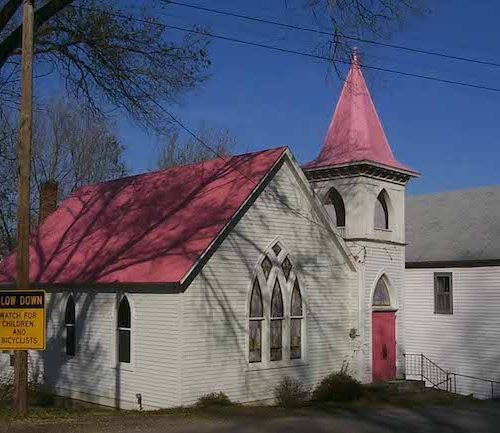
{"type": "Point", "coordinates": [36, 394]}
{"type": "Point", "coordinates": [6, 386]}
{"type": "Point", "coordinates": [214, 399]}
{"type": "Point", "coordinates": [339, 386]}
{"type": "Point", "coordinates": [290, 392]}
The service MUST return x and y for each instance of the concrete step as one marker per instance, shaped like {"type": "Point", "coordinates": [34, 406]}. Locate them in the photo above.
{"type": "Point", "coordinates": [400, 386]}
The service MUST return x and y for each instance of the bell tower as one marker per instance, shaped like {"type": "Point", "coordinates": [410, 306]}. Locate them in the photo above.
{"type": "Point", "coordinates": [362, 186]}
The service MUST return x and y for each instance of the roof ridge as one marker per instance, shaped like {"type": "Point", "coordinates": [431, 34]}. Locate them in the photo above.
{"type": "Point", "coordinates": [459, 190]}
{"type": "Point", "coordinates": [164, 170]}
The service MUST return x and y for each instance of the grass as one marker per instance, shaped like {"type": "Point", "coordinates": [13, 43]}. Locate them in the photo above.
{"type": "Point", "coordinates": [47, 414]}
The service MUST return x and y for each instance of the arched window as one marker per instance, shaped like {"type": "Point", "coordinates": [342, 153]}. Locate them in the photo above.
{"type": "Point", "coordinates": [381, 220]}
{"type": "Point", "coordinates": [296, 317]}
{"type": "Point", "coordinates": [277, 323]}
{"type": "Point", "coordinates": [70, 325]}
{"type": "Point", "coordinates": [124, 326]}
{"type": "Point", "coordinates": [275, 314]}
{"type": "Point", "coordinates": [381, 296]}
{"type": "Point", "coordinates": [256, 319]}
{"type": "Point", "coordinates": [335, 207]}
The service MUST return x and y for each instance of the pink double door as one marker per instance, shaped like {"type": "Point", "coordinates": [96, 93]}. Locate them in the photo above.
{"type": "Point", "coordinates": [384, 345]}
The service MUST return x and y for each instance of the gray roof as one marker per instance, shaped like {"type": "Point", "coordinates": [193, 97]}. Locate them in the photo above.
{"type": "Point", "coordinates": [454, 226]}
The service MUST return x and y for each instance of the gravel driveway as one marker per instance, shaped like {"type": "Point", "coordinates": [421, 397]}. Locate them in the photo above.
{"type": "Point", "coordinates": [466, 417]}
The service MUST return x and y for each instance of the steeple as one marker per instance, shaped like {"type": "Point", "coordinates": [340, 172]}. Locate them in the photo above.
{"type": "Point", "coordinates": [355, 133]}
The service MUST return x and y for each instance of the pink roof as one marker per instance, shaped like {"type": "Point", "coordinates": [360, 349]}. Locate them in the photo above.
{"type": "Point", "coordinates": [355, 132]}
{"type": "Point", "coordinates": [150, 228]}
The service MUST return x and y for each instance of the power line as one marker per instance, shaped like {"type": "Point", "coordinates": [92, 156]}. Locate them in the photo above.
{"type": "Point", "coordinates": [294, 52]}
{"type": "Point", "coordinates": [320, 57]}
{"type": "Point", "coordinates": [322, 32]}
{"type": "Point", "coordinates": [218, 154]}
{"type": "Point", "coordinates": [226, 160]}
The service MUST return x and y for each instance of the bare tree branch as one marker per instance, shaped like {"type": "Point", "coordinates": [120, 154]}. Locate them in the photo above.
{"type": "Point", "coordinates": [173, 152]}
{"type": "Point", "coordinates": [70, 147]}
{"type": "Point", "coordinates": [111, 61]}
{"type": "Point", "coordinates": [8, 11]}
{"type": "Point", "coordinates": [42, 15]}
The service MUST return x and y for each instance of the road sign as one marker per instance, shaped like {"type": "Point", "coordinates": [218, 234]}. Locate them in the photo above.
{"type": "Point", "coordinates": [22, 320]}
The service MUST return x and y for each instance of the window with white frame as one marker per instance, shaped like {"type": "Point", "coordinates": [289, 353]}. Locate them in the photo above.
{"type": "Point", "coordinates": [381, 296]}
{"type": "Point", "coordinates": [296, 323]}
{"type": "Point", "coordinates": [70, 326]}
{"type": "Point", "coordinates": [124, 327]}
{"type": "Point", "coordinates": [277, 323]}
{"type": "Point", "coordinates": [256, 319]}
{"type": "Point", "coordinates": [276, 310]}
{"type": "Point", "coordinates": [443, 293]}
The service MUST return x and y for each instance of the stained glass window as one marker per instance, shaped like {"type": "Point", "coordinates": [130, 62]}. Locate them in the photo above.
{"type": "Point", "coordinates": [124, 330]}
{"type": "Point", "coordinates": [276, 248]}
{"type": "Point", "coordinates": [296, 323]}
{"type": "Point", "coordinates": [255, 326]}
{"type": "Point", "coordinates": [381, 296]}
{"type": "Point", "coordinates": [70, 325]}
{"type": "Point", "coordinates": [296, 309]}
{"type": "Point", "coordinates": [287, 267]}
{"type": "Point", "coordinates": [266, 266]}
{"type": "Point", "coordinates": [256, 309]}
{"type": "Point", "coordinates": [276, 323]}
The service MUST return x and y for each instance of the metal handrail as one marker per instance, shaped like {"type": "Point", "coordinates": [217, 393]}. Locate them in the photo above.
{"type": "Point", "coordinates": [434, 364]}
{"type": "Point", "coordinates": [451, 385]}
{"type": "Point", "coordinates": [436, 382]}
{"type": "Point", "coordinates": [474, 377]}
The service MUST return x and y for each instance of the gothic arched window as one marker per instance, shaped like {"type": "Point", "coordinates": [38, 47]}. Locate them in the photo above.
{"type": "Point", "coordinates": [381, 296]}
{"type": "Point", "coordinates": [381, 219]}
{"type": "Point", "coordinates": [275, 312]}
{"type": "Point", "coordinates": [296, 317]}
{"type": "Point", "coordinates": [124, 326]}
{"type": "Point", "coordinates": [256, 319]}
{"type": "Point", "coordinates": [70, 325]}
{"type": "Point", "coordinates": [277, 323]}
{"type": "Point", "coordinates": [335, 207]}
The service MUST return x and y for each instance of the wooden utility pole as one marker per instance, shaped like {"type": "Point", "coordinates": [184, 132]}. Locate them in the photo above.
{"type": "Point", "coordinates": [23, 199]}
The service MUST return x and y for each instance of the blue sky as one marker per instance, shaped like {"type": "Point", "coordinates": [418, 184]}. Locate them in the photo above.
{"type": "Point", "coordinates": [450, 134]}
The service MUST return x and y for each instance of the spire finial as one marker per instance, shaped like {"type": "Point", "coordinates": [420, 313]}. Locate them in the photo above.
{"type": "Point", "coordinates": [355, 57]}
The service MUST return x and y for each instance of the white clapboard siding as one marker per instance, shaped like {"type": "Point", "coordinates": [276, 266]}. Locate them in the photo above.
{"type": "Point", "coordinates": [467, 341]}
{"type": "Point", "coordinates": [92, 374]}
{"type": "Point", "coordinates": [214, 320]}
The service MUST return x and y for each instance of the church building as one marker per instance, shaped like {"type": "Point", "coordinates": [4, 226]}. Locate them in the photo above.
{"type": "Point", "coordinates": [229, 274]}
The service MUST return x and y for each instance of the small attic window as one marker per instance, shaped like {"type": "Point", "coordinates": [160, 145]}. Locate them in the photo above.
{"type": "Point", "coordinates": [335, 207]}
{"type": "Point", "coordinates": [381, 220]}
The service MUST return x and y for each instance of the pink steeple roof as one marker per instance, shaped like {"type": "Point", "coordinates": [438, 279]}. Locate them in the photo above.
{"type": "Point", "coordinates": [355, 132]}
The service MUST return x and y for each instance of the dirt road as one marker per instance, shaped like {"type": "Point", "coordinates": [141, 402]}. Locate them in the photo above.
{"type": "Point", "coordinates": [472, 417]}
